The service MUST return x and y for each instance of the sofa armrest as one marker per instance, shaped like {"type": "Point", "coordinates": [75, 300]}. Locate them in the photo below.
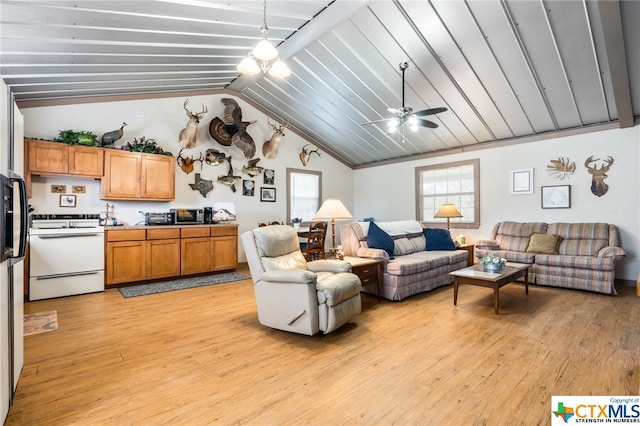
{"type": "Point", "coordinates": [487, 244]}
{"type": "Point", "coordinates": [372, 253]}
{"type": "Point", "coordinates": [329, 265]}
{"type": "Point", "coordinates": [615, 252]}
{"type": "Point", "coordinates": [299, 276]}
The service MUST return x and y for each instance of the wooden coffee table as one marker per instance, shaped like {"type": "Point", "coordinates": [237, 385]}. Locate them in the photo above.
{"type": "Point", "coordinates": [475, 275]}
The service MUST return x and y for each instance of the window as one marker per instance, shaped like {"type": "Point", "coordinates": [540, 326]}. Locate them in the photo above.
{"type": "Point", "coordinates": [304, 193]}
{"type": "Point", "coordinates": [457, 183]}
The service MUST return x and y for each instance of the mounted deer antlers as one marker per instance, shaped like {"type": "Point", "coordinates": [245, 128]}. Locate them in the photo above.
{"type": "Point", "coordinates": [187, 136]}
{"type": "Point", "coordinates": [305, 154]}
{"type": "Point", "coordinates": [561, 168]}
{"type": "Point", "coordinates": [187, 164]}
{"type": "Point", "coordinates": [598, 186]}
{"type": "Point", "coordinates": [270, 147]}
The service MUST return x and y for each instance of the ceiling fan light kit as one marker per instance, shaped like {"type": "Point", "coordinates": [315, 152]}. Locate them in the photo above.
{"type": "Point", "coordinates": [406, 115]}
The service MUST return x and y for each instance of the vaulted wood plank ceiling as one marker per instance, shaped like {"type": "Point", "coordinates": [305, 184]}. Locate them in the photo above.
{"type": "Point", "coordinates": [508, 71]}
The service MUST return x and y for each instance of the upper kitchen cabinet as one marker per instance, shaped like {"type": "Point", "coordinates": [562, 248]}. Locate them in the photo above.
{"type": "Point", "coordinates": [56, 158]}
{"type": "Point", "coordinates": [137, 176]}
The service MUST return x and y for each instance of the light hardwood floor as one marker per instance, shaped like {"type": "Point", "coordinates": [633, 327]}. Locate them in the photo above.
{"type": "Point", "coordinates": [199, 356]}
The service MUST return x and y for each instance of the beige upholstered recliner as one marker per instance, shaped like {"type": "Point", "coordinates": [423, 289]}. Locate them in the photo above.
{"type": "Point", "coordinates": [293, 294]}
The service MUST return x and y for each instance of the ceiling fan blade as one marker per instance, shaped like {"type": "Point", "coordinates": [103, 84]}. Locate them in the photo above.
{"type": "Point", "coordinates": [394, 111]}
{"type": "Point", "coordinates": [430, 111]}
{"type": "Point", "coordinates": [427, 123]}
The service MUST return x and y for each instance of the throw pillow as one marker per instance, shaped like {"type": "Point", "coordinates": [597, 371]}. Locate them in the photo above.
{"type": "Point", "coordinates": [377, 238]}
{"type": "Point", "coordinates": [438, 239]}
{"type": "Point", "coordinates": [544, 244]}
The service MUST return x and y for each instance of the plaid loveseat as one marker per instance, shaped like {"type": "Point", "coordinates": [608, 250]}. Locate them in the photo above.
{"type": "Point", "coordinates": [584, 259]}
{"type": "Point", "coordinates": [413, 269]}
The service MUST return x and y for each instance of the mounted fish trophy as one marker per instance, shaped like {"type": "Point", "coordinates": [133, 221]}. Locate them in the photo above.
{"type": "Point", "coordinates": [305, 154]}
{"type": "Point", "coordinates": [270, 147]}
{"type": "Point", "coordinates": [231, 130]}
{"type": "Point", "coordinates": [598, 186]}
{"type": "Point", "coordinates": [252, 168]}
{"type": "Point", "coordinates": [230, 179]}
{"type": "Point", "coordinates": [213, 157]}
{"type": "Point", "coordinates": [187, 136]}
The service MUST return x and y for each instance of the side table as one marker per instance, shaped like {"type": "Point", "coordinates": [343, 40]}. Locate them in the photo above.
{"type": "Point", "coordinates": [470, 256]}
{"type": "Point", "coordinates": [369, 271]}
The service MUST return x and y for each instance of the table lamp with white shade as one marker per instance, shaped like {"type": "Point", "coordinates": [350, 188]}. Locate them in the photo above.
{"type": "Point", "coordinates": [332, 209]}
{"type": "Point", "coordinates": [447, 210]}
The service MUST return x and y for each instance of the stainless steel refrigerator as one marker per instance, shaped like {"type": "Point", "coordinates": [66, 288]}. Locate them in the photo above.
{"type": "Point", "coordinates": [13, 231]}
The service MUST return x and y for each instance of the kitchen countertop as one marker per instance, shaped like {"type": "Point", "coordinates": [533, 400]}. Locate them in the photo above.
{"type": "Point", "coordinates": [117, 227]}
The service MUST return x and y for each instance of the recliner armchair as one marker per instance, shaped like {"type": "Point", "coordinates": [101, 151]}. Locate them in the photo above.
{"type": "Point", "coordinates": [293, 294]}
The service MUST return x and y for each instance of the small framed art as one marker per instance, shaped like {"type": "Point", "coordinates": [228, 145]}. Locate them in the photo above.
{"type": "Point", "coordinates": [269, 176]}
{"type": "Point", "coordinates": [268, 194]}
{"type": "Point", "coordinates": [67, 200]}
{"type": "Point", "coordinates": [522, 181]}
{"type": "Point", "coordinates": [556, 197]}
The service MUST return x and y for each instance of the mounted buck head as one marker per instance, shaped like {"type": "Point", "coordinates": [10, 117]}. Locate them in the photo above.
{"type": "Point", "coordinates": [187, 137]}
{"type": "Point", "coordinates": [270, 147]}
{"type": "Point", "coordinates": [598, 186]}
{"type": "Point", "coordinates": [305, 154]}
{"type": "Point", "coordinates": [187, 164]}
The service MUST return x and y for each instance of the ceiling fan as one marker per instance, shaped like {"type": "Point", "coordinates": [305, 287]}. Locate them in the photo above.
{"type": "Point", "coordinates": [405, 114]}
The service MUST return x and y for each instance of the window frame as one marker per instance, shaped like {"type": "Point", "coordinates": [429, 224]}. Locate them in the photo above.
{"type": "Point", "coordinates": [291, 171]}
{"type": "Point", "coordinates": [476, 192]}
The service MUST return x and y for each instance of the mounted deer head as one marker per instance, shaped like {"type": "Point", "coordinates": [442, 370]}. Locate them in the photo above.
{"type": "Point", "coordinates": [270, 147]}
{"type": "Point", "coordinates": [598, 186]}
{"type": "Point", "coordinates": [187, 137]}
{"type": "Point", "coordinates": [187, 164]}
{"type": "Point", "coordinates": [305, 154]}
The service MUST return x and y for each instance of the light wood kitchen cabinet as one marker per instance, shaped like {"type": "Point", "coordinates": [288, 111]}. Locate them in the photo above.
{"type": "Point", "coordinates": [136, 176]}
{"type": "Point", "coordinates": [224, 246]}
{"type": "Point", "coordinates": [163, 253]}
{"type": "Point", "coordinates": [125, 256]}
{"type": "Point", "coordinates": [59, 159]}
{"type": "Point", "coordinates": [147, 253]}
{"type": "Point", "coordinates": [195, 250]}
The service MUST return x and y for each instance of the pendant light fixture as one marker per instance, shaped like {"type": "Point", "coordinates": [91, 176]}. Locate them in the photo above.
{"type": "Point", "coordinates": [258, 59]}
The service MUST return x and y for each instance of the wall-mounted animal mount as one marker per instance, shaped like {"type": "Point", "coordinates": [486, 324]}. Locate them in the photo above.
{"type": "Point", "coordinates": [110, 138]}
{"type": "Point", "coordinates": [270, 147]}
{"type": "Point", "coordinates": [231, 130]}
{"type": "Point", "coordinates": [187, 164]}
{"type": "Point", "coordinates": [201, 185]}
{"type": "Point", "coordinates": [230, 179]}
{"type": "Point", "coordinates": [598, 186]}
{"type": "Point", "coordinates": [213, 157]}
{"type": "Point", "coordinates": [252, 168]}
{"type": "Point", "coordinates": [187, 136]}
{"type": "Point", "coordinates": [305, 154]}
{"type": "Point", "coordinates": [561, 168]}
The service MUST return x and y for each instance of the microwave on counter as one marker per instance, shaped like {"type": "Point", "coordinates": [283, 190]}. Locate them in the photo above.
{"type": "Point", "coordinates": [187, 216]}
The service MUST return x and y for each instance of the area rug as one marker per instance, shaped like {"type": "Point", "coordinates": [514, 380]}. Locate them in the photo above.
{"type": "Point", "coordinates": [40, 322]}
{"type": "Point", "coordinates": [179, 284]}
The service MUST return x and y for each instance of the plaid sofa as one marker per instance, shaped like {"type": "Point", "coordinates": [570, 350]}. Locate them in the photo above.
{"type": "Point", "coordinates": [413, 269]}
{"type": "Point", "coordinates": [586, 255]}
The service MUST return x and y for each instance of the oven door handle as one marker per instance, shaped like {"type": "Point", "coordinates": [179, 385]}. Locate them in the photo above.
{"type": "Point", "coordinates": [68, 274]}
{"type": "Point", "coordinates": [46, 237]}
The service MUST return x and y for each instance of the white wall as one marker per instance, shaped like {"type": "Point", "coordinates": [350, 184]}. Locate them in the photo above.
{"type": "Point", "coordinates": [162, 119]}
{"type": "Point", "coordinates": [388, 192]}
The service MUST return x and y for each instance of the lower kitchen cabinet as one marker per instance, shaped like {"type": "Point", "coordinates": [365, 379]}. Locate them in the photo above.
{"type": "Point", "coordinates": [149, 253]}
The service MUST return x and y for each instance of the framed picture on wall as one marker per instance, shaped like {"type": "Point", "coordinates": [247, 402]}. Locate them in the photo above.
{"type": "Point", "coordinates": [268, 194]}
{"type": "Point", "coordinates": [556, 197]}
{"type": "Point", "coordinates": [269, 176]}
{"type": "Point", "coordinates": [248, 187]}
{"type": "Point", "coordinates": [521, 181]}
{"type": "Point", "coordinates": [67, 200]}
